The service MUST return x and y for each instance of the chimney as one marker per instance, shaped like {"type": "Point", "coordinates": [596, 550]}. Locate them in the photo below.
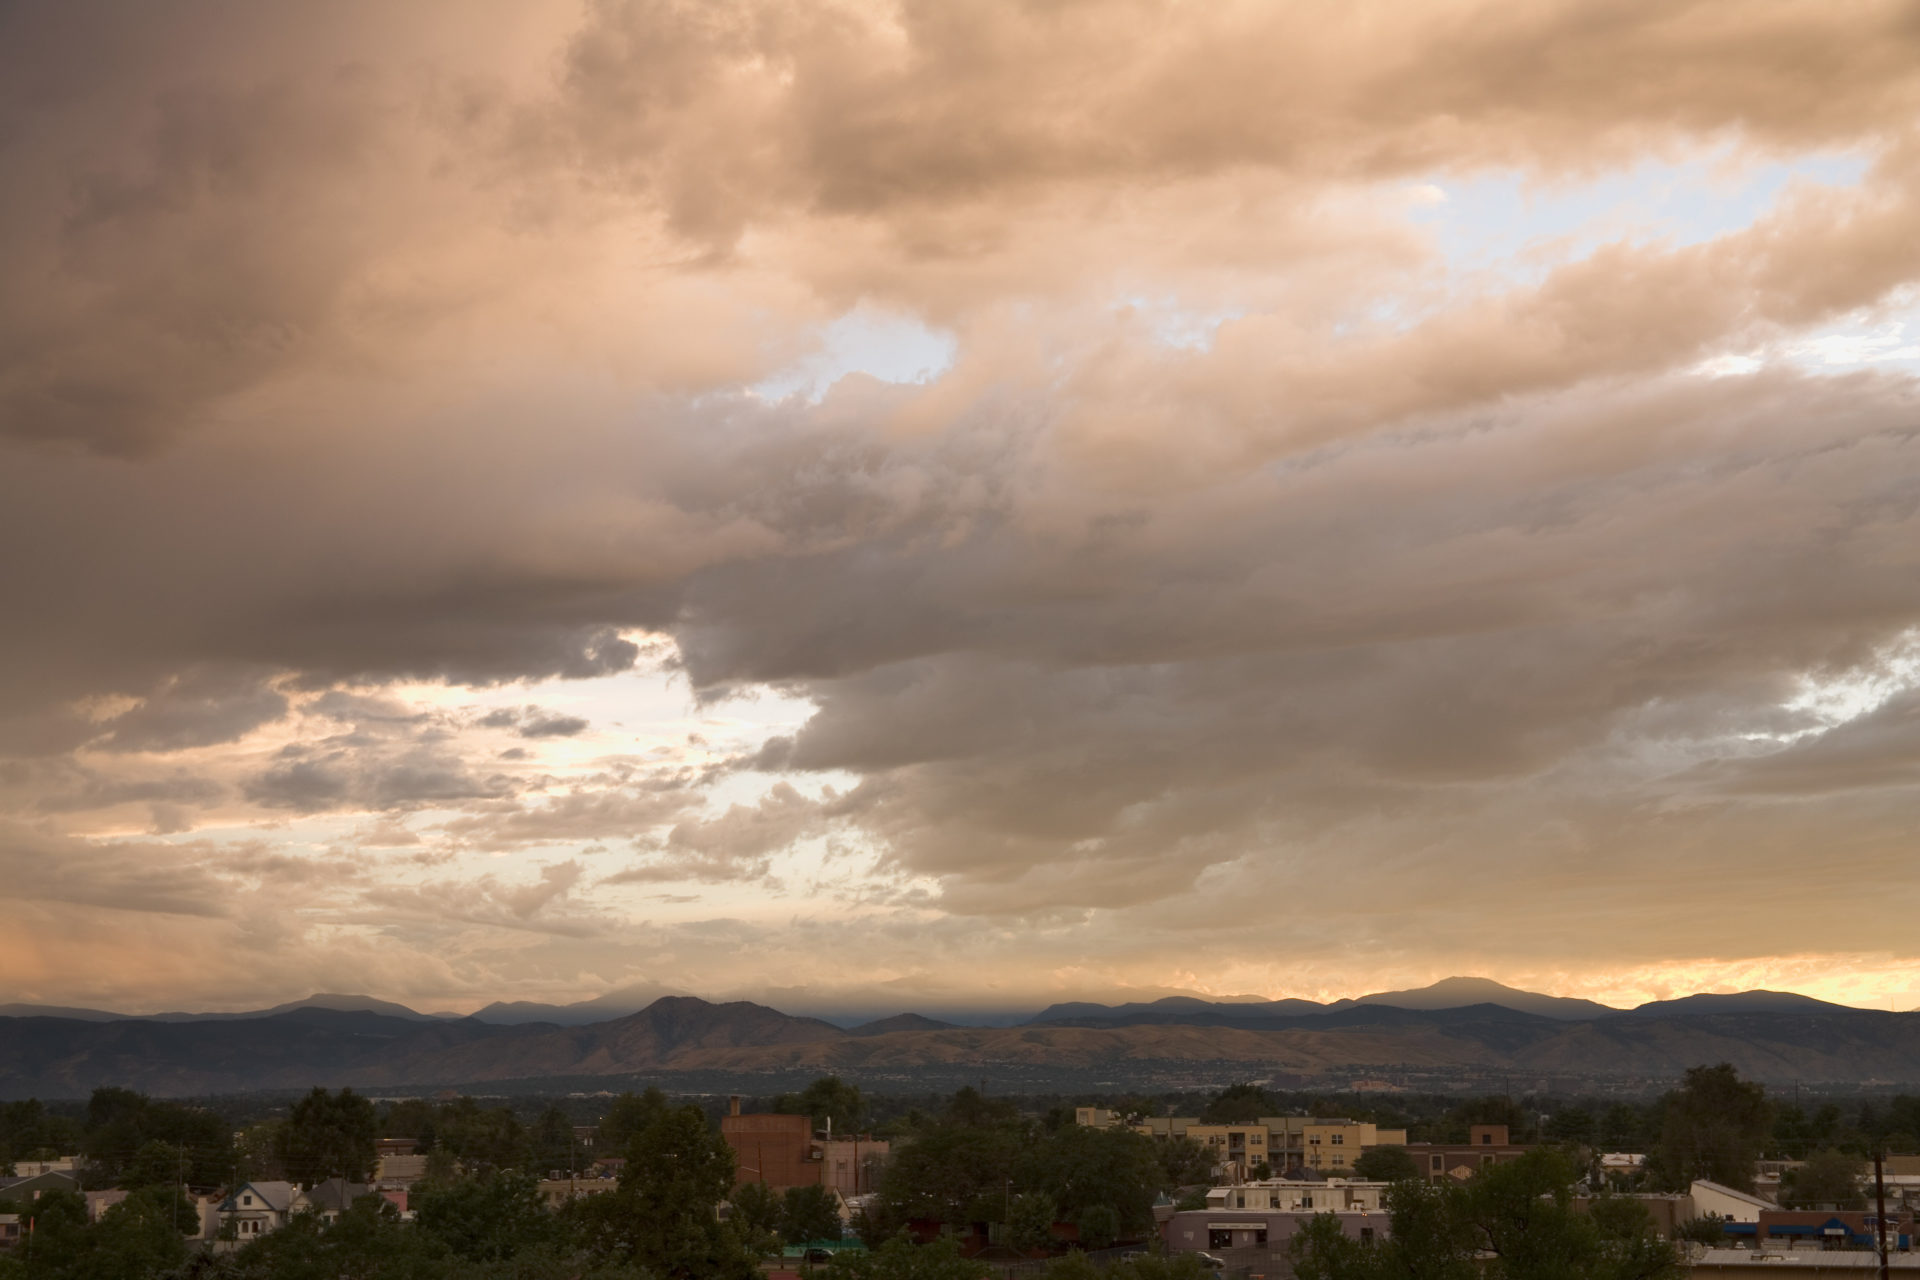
{"type": "Point", "coordinates": [733, 1104]}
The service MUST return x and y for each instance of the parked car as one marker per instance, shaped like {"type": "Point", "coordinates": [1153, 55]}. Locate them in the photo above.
{"type": "Point", "coordinates": [1208, 1260]}
{"type": "Point", "coordinates": [818, 1255]}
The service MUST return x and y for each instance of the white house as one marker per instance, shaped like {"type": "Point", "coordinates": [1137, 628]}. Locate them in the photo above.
{"type": "Point", "coordinates": [255, 1208]}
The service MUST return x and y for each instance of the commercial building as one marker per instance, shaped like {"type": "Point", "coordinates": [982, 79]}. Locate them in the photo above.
{"type": "Point", "coordinates": [783, 1151]}
{"type": "Point", "coordinates": [1335, 1195]}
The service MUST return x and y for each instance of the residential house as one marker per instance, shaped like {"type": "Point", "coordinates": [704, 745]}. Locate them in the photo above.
{"type": "Point", "coordinates": [98, 1202]}
{"type": "Point", "coordinates": [9, 1230]}
{"type": "Point", "coordinates": [331, 1198]}
{"type": "Point", "coordinates": [394, 1172]}
{"type": "Point", "coordinates": [26, 1189]}
{"type": "Point", "coordinates": [253, 1209]}
{"type": "Point", "coordinates": [557, 1191]}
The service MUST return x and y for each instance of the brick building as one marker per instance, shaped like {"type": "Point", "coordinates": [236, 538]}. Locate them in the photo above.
{"type": "Point", "coordinates": [1456, 1161]}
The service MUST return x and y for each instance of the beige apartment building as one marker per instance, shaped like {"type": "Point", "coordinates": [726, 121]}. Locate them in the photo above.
{"type": "Point", "coordinates": [1280, 1142]}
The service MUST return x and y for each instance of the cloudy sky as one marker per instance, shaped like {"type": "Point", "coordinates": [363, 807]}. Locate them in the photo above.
{"type": "Point", "coordinates": [918, 505]}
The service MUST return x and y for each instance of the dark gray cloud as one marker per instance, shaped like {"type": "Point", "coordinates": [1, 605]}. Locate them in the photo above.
{"type": "Point", "coordinates": [195, 709]}
{"type": "Point", "coordinates": [355, 353]}
{"type": "Point", "coordinates": [535, 722]}
{"type": "Point", "coordinates": [343, 778]}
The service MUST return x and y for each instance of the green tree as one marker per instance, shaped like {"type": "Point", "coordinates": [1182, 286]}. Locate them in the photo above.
{"type": "Point", "coordinates": [1430, 1234]}
{"type": "Point", "coordinates": [409, 1118]}
{"type": "Point", "coordinates": [956, 1175]}
{"type": "Point", "coordinates": [120, 1122]}
{"type": "Point", "coordinates": [809, 1213]}
{"type": "Point", "coordinates": [487, 1218]}
{"type": "Point", "coordinates": [1386, 1164]}
{"type": "Point", "coordinates": [828, 1098]}
{"type": "Point", "coordinates": [1828, 1178]}
{"type": "Point", "coordinates": [1238, 1104]}
{"type": "Point", "coordinates": [664, 1215]}
{"type": "Point", "coordinates": [482, 1138]}
{"type": "Point", "coordinates": [756, 1213]}
{"type": "Point", "coordinates": [1321, 1249]}
{"type": "Point", "coordinates": [1114, 1169]}
{"type": "Point", "coordinates": [1523, 1215]}
{"type": "Point", "coordinates": [1099, 1225]}
{"type": "Point", "coordinates": [552, 1262]}
{"type": "Point", "coordinates": [553, 1142]}
{"type": "Point", "coordinates": [1184, 1162]}
{"type": "Point", "coordinates": [1513, 1221]}
{"type": "Point", "coordinates": [1573, 1124]}
{"type": "Point", "coordinates": [367, 1242]}
{"type": "Point", "coordinates": [1714, 1127]}
{"type": "Point", "coordinates": [137, 1238]}
{"type": "Point", "coordinates": [329, 1135]}
{"type": "Point", "coordinates": [257, 1152]}
{"type": "Point", "coordinates": [901, 1259]}
{"type": "Point", "coordinates": [28, 1131]}
{"type": "Point", "coordinates": [1709, 1230]}
{"type": "Point", "coordinates": [971, 1109]}
{"type": "Point", "coordinates": [626, 1119]}
{"type": "Point", "coordinates": [1030, 1220]}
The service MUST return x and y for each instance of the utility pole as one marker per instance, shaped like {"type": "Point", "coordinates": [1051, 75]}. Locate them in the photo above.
{"type": "Point", "coordinates": [1880, 1205]}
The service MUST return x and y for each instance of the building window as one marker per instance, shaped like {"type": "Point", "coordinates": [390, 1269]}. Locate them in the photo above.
{"type": "Point", "coordinates": [1439, 1163]}
{"type": "Point", "coordinates": [1217, 1239]}
{"type": "Point", "coordinates": [1339, 1139]}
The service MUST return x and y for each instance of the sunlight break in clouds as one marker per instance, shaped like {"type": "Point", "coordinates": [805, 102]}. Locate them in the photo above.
{"type": "Point", "coordinates": [886, 504]}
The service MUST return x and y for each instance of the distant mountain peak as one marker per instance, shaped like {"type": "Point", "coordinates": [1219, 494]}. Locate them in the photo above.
{"type": "Point", "coordinates": [900, 1022]}
{"type": "Point", "coordinates": [1461, 991]}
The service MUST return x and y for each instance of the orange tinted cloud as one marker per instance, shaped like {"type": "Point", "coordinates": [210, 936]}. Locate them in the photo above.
{"type": "Point", "coordinates": [1248, 542]}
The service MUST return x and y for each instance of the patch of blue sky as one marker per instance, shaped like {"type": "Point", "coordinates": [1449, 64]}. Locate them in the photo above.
{"type": "Point", "coordinates": [1520, 227]}
{"type": "Point", "coordinates": [881, 344]}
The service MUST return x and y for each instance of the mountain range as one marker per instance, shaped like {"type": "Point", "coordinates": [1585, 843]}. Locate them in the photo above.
{"type": "Point", "coordinates": [1448, 993]}
{"type": "Point", "coordinates": [1421, 1035]}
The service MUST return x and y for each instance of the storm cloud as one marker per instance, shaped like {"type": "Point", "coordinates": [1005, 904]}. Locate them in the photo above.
{"type": "Point", "coordinates": [432, 450]}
